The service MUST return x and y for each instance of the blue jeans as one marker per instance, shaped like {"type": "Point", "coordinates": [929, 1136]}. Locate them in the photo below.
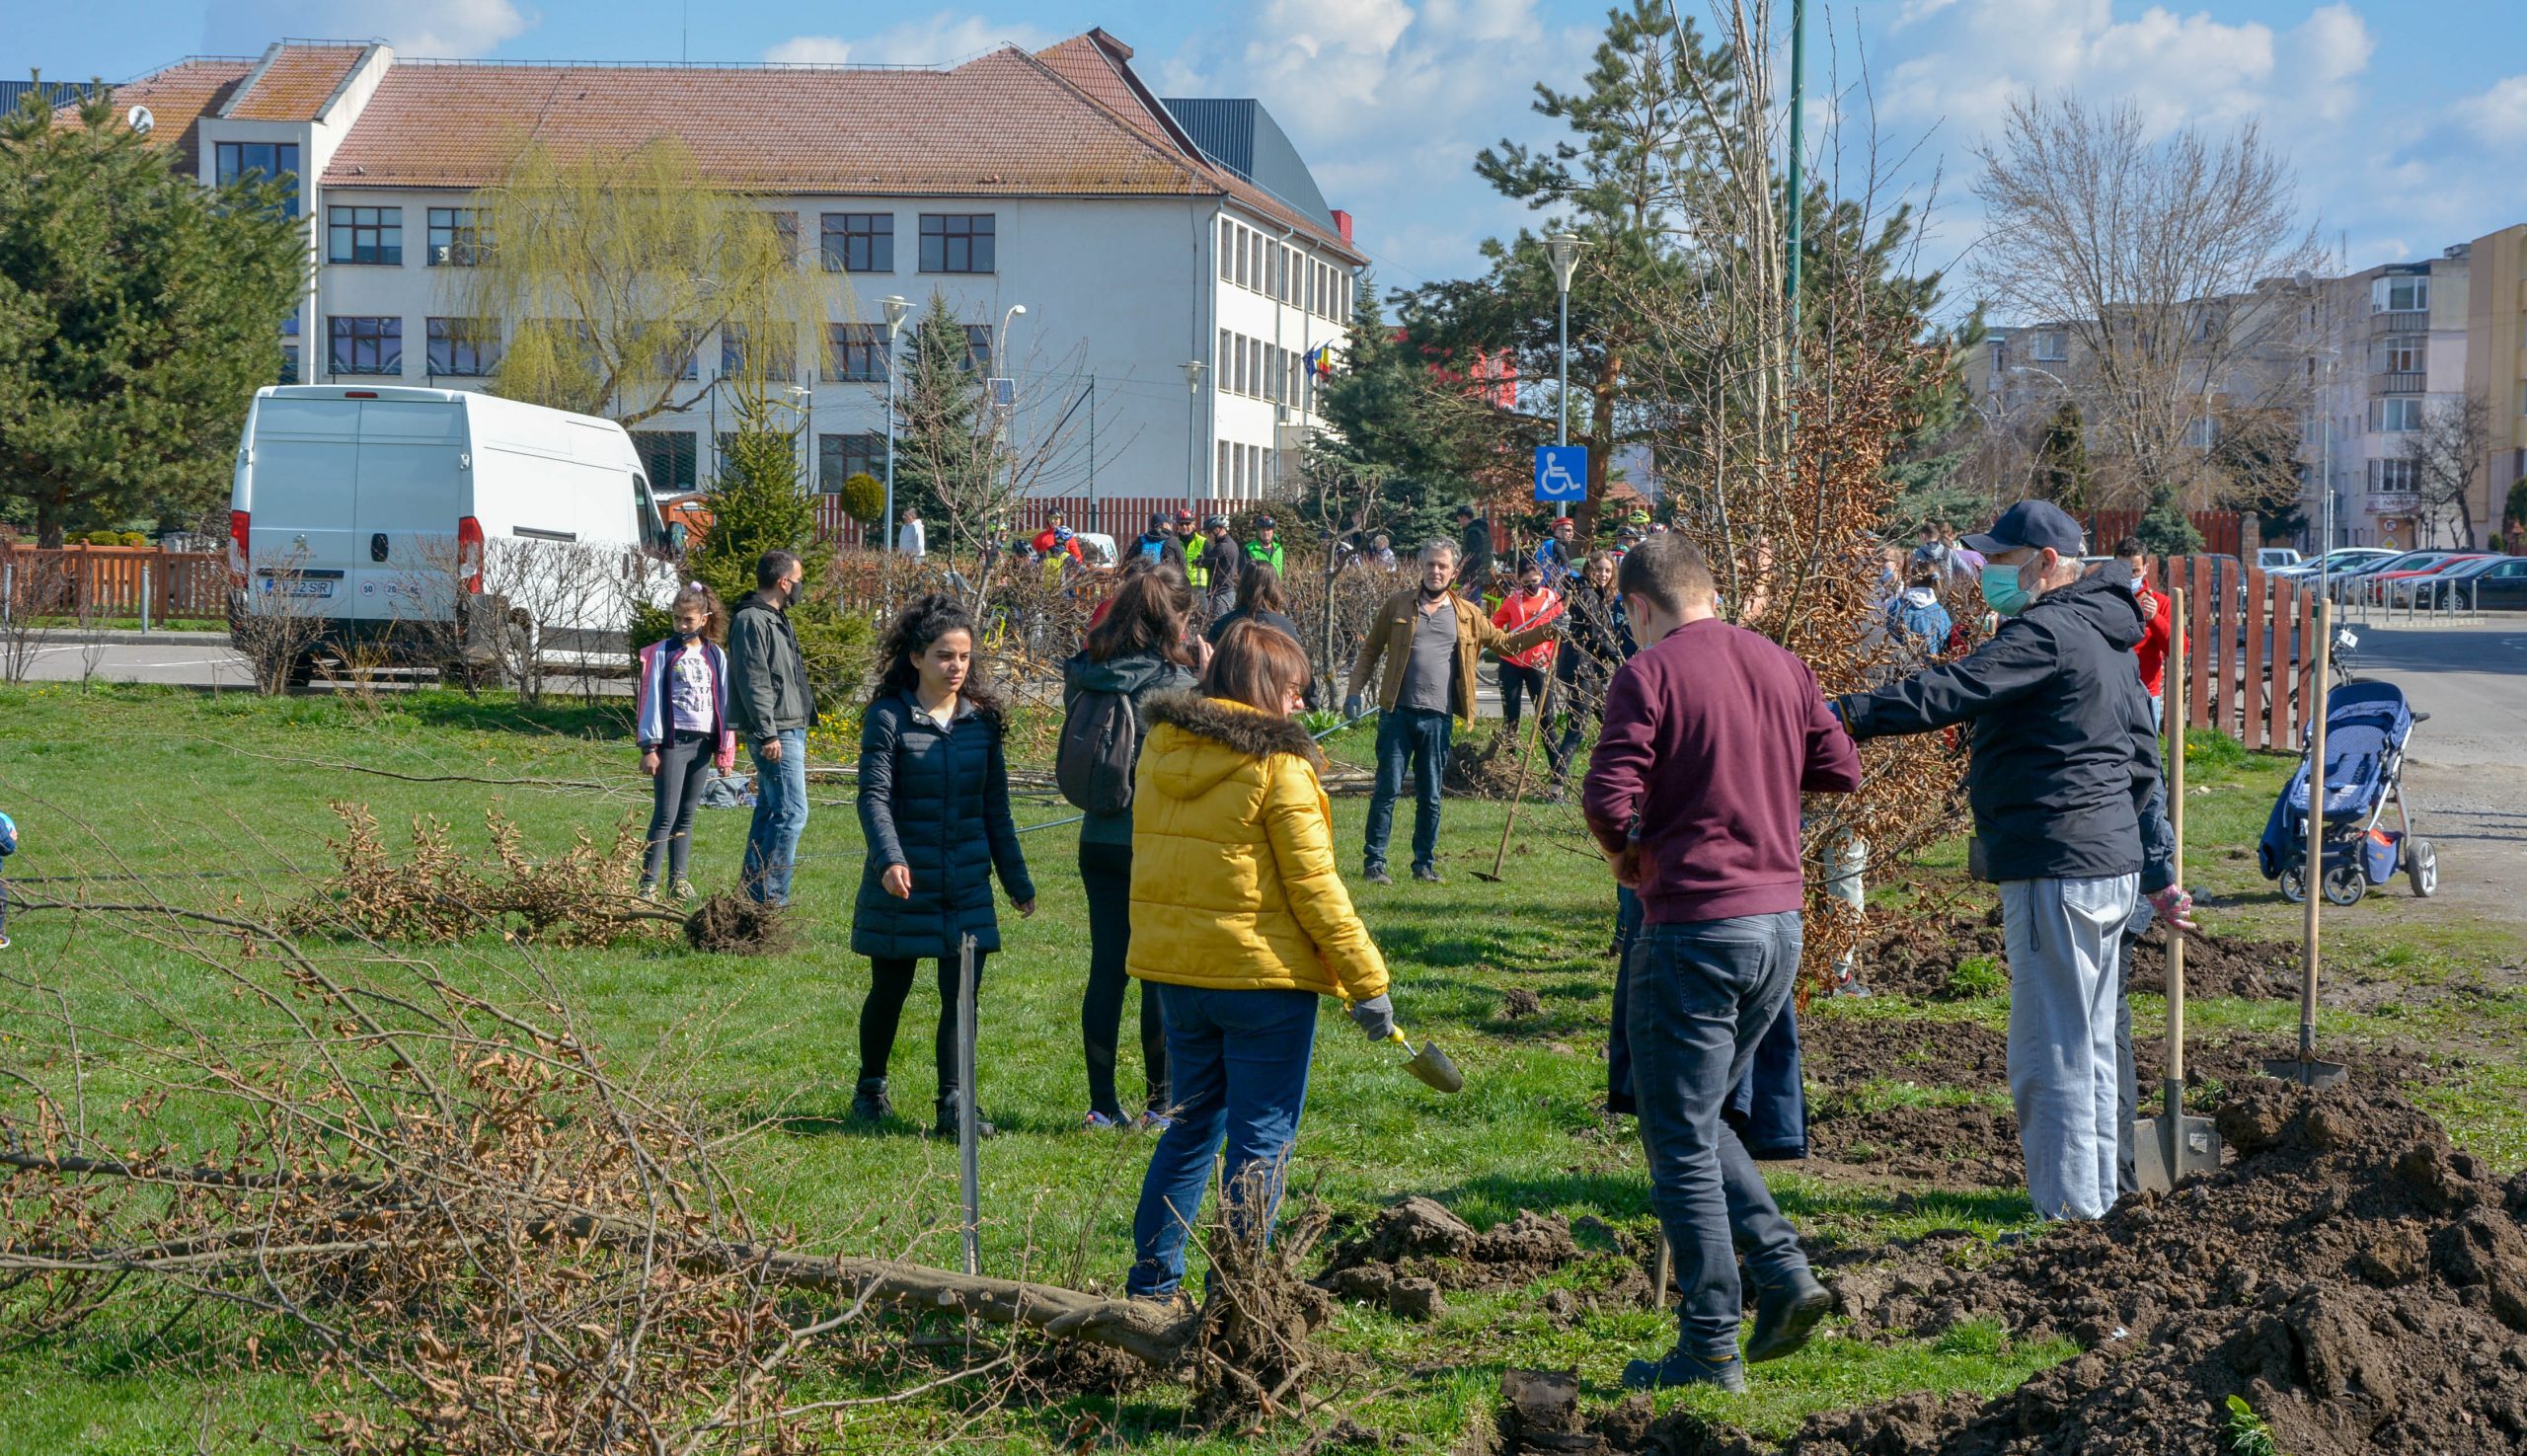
{"type": "Point", "coordinates": [1420, 737]}
{"type": "Point", "coordinates": [780, 818]}
{"type": "Point", "coordinates": [1237, 1061]}
{"type": "Point", "coordinates": [1702, 995]}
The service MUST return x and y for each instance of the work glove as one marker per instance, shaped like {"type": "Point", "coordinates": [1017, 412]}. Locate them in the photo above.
{"type": "Point", "coordinates": [2176, 907]}
{"type": "Point", "coordinates": [1354, 705]}
{"type": "Point", "coordinates": [1375, 1015]}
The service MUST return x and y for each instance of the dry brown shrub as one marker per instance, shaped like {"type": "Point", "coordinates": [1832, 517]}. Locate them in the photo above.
{"type": "Point", "coordinates": [438, 895]}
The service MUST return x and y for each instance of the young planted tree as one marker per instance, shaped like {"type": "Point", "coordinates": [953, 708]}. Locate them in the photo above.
{"type": "Point", "coordinates": [609, 271]}
{"type": "Point", "coordinates": [138, 313]}
{"type": "Point", "coordinates": [965, 459]}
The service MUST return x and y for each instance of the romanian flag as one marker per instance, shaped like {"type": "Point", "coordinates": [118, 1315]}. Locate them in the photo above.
{"type": "Point", "coordinates": [1320, 360]}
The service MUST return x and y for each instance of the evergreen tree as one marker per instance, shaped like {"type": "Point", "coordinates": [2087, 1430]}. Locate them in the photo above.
{"type": "Point", "coordinates": [951, 457]}
{"type": "Point", "coordinates": [756, 505]}
{"type": "Point", "coordinates": [139, 311]}
{"type": "Point", "coordinates": [1397, 437]}
{"type": "Point", "coordinates": [2061, 473]}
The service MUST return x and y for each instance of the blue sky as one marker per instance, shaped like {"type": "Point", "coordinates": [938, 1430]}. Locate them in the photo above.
{"type": "Point", "coordinates": [2406, 119]}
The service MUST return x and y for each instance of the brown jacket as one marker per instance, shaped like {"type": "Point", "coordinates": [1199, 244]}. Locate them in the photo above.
{"type": "Point", "coordinates": [1391, 638]}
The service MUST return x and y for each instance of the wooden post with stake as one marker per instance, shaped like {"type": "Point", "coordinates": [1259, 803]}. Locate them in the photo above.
{"type": "Point", "coordinates": [968, 1167]}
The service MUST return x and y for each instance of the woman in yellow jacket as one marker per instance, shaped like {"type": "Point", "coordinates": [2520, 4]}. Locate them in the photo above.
{"type": "Point", "coordinates": [1240, 923]}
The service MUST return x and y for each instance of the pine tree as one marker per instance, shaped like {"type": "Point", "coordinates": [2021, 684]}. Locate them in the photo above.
{"type": "Point", "coordinates": [951, 460]}
{"type": "Point", "coordinates": [1395, 427]}
{"type": "Point", "coordinates": [138, 313]}
{"type": "Point", "coordinates": [2061, 473]}
{"type": "Point", "coordinates": [756, 505]}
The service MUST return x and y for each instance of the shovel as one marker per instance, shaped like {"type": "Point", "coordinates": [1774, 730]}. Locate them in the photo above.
{"type": "Point", "coordinates": [1429, 1065]}
{"type": "Point", "coordinates": [1525, 761]}
{"type": "Point", "coordinates": [2168, 1148]}
{"type": "Point", "coordinates": [2305, 1069]}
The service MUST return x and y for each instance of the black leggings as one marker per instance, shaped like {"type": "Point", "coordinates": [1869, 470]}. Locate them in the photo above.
{"type": "Point", "coordinates": [890, 983]}
{"type": "Point", "coordinates": [1512, 678]}
{"type": "Point", "coordinates": [684, 766]}
{"type": "Point", "coordinates": [1107, 872]}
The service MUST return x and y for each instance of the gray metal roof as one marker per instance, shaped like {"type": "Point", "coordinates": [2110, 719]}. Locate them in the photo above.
{"type": "Point", "coordinates": [1242, 137]}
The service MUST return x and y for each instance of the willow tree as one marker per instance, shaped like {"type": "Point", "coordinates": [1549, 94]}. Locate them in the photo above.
{"type": "Point", "coordinates": [610, 271]}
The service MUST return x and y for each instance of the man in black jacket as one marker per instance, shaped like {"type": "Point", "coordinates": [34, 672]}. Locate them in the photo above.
{"type": "Point", "coordinates": [2060, 775]}
{"type": "Point", "coordinates": [770, 705]}
{"type": "Point", "coordinates": [1158, 543]}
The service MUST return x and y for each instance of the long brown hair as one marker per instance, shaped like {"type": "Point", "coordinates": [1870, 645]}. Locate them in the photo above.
{"type": "Point", "coordinates": [1258, 665]}
{"type": "Point", "coordinates": [1146, 614]}
{"type": "Point", "coordinates": [910, 635]}
{"type": "Point", "coordinates": [715, 618]}
{"type": "Point", "coordinates": [1259, 589]}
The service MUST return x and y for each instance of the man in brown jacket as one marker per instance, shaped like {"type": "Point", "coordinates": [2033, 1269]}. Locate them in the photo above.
{"type": "Point", "coordinates": [1429, 639]}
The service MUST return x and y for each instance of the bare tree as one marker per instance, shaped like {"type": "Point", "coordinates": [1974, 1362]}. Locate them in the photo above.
{"type": "Point", "coordinates": [275, 624]}
{"type": "Point", "coordinates": [2155, 258]}
{"type": "Point", "coordinates": [2447, 454]}
{"type": "Point", "coordinates": [31, 592]}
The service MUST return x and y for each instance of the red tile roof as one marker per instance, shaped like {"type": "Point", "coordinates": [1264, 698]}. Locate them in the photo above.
{"type": "Point", "coordinates": [178, 97]}
{"type": "Point", "coordinates": [293, 83]}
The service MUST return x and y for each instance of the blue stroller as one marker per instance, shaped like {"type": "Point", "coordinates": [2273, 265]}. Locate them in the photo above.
{"type": "Point", "coordinates": [2367, 725]}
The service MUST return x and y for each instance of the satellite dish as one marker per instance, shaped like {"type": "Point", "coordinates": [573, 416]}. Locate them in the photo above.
{"type": "Point", "coordinates": [140, 120]}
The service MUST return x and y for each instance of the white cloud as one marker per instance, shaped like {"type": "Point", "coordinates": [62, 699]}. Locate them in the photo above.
{"type": "Point", "coordinates": [440, 29]}
{"type": "Point", "coordinates": [943, 36]}
{"type": "Point", "coordinates": [2496, 117]}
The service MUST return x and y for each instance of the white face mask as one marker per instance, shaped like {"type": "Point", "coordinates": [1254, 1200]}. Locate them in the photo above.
{"type": "Point", "coordinates": [2137, 585]}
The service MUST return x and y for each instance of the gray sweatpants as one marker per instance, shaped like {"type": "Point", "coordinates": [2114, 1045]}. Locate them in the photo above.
{"type": "Point", "coordinates": [2065, 946]}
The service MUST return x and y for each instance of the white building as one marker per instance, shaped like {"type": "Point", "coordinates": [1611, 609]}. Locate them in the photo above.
{"type": "Point", "coordinates": [1141, 234]}
{"type": "Point", "coordinates": [2393, 349]}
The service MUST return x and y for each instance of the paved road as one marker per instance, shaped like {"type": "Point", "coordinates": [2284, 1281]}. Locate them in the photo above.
{"type": "Point", "coordinates": [190, 659]}
{"type": "Point", "coordinates": [2466, 770]}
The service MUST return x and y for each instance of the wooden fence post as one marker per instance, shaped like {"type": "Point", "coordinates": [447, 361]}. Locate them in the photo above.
{"type": "Point", "coordinates": [2251, 681]}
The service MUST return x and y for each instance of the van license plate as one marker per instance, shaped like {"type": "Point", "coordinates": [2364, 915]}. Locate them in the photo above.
{"type": "Point", "coordinates": [299, 588]}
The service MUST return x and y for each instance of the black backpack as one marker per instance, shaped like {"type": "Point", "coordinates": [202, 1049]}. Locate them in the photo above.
{"type": "Point", "coordinates": [1100, 740]}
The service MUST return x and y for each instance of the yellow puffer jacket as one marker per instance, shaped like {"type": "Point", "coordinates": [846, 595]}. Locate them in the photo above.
{"type": "Point", "coordinates": [1234, 886]}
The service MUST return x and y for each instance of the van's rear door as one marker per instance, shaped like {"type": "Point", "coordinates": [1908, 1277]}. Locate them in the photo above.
{"type": "Point", "coordinates": [411, 474]}
{"type": "Point", "coordinates": [303, 469]}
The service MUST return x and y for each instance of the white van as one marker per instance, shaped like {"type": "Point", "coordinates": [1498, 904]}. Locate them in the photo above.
{"type": "Point", "coordinates": [381, 511]}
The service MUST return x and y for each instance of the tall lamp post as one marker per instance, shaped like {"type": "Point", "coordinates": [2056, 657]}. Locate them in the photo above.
{"type": "Point", "coordinates": [804, 400]}
{"type": "Point", "coordinates": [1562, 250]}
{"type": "Point", "coordinates": [896, 309]}
{"type": "Point", "coordinates": [1193, 392]}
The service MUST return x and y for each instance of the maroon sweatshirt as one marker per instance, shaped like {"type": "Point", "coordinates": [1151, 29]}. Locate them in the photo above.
{"type": "Point", "coordinates": [1709, 736]}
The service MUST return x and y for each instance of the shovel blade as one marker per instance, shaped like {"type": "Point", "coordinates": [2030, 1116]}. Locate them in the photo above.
{"type": "Point", "coordinates": [1432, 1066]}
{"type": "Point", "coordinates": [2308, 1074]}
{"type": "Point", "coordinates": [2198, 1152]}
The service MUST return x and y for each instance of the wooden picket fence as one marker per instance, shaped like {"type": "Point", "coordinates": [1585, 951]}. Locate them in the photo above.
{"type": "Point", "coordinates": [2252, 648]}
{"type": "Point", "coordinates": [89, 581]}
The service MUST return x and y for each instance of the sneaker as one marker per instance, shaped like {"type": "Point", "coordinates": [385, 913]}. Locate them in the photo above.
{"type": "Point", "coordinates": [1098, 1122]}
{"type": "Point", "coordinates": [869, 1103]}
{"type": "Point", "coordinates": [1427, 873]}
{"type": "Point", "coordinates": [945, 1125]}
{"type": "Point", "coordinates": [1684, 1367]}
{"type": "Point", "coordinates": [683, 889]}
{"type": "Point", "coordinates": [1155, 1121]}
{"type": "Point", "coordinates": [1785, 1314]}
{"type": "Point", "coordinates": [1377, 876]}
{"type": "Point", "coordinates": [650, 891]}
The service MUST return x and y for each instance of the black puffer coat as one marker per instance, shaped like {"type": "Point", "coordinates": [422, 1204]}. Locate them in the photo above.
{"type": "Point", "coordinates": [935, 801]}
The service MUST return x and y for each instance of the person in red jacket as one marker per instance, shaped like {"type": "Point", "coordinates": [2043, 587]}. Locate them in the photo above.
{"type": "Point", "coordinates": [2158, 618]}
{"type": "Point", "coordinates": [1052, 534]}
{"type": "Point", "coordinates": [1712, 734]}
{"type": "Point", "coordinates": [1524, 672]}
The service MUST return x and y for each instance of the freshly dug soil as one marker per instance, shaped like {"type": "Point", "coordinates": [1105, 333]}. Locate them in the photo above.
{"type": "Point", "coordinates": [2222, 965]}
{"type": "Point", "coordinates": [1969, 1146]}
{"type": "Point", "coordinates": [1916, 957]}
{"type": "Point", "coordinates": [2361, 1284]}
{"type": "Point", "coordinates": [1841, 1054]}
{"type": "Point", "coordinates": [1417, 1249]}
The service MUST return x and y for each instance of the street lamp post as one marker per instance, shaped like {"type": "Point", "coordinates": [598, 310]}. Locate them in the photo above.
{"type": "Point", "coordinates": [1192, 393]}
{"type": "Point", "coordinates": [1562, 250]}
{"type": "Point", "coordinates": [896, 309]}
{"type": "Point", "coordinates": [804, 400]}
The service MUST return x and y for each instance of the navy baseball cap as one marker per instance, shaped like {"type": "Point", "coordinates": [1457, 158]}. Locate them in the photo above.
{"type": "Point", "coordinates": [2036, 523]}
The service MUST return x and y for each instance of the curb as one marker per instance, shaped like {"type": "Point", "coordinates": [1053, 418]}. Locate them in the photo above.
{"type": "Point", "coordinates": [71, 637]}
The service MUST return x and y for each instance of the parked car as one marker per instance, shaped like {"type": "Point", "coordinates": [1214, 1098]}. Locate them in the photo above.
{"type": "Point", "coordinates": [2336, 562]}
{"type": "Point", "coordinates": [2488, 581]}
{"type": "Point", "coordinates": [2274, 557]}
{"type": "Point", "coordinates": [2354, 586]}
{"type": "Point", "coordinates": [2381, 586]}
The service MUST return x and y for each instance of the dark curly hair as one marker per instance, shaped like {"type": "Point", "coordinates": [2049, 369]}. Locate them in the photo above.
{"type": "Point", "coordinates": [926, 620]}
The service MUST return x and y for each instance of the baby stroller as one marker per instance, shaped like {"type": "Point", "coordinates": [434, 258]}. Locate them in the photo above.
{"type": "Point", "coordinates": [2366, 726]}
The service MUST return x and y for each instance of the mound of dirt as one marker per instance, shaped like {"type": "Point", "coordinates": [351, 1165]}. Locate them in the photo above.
{"type": "Point", "coordinates": [1518, 1003]}
{"type": "Point", "coordinates": [736, 925]}
{"type": "Point", "coordinates": [2220, 966]}
{"type": "Point", "coordinates": [1841, 1054]}
{"type": "Point", "coordinates": [1417, 1249]}
{"type": "Point", "coordinates": [1918, 956]}
{"type": "Point", "coordinates": [1971, 1146]}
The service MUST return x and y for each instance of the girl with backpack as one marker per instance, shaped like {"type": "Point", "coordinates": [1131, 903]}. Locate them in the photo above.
{"type": "Point", "coordinates": [1239, 924]}
{"type": "Point", "coordinates": [681, 722]}
{"type": "Point", "coordinates": [1137, 650]}
{"type": "Point", "coordinates": [934, 811]}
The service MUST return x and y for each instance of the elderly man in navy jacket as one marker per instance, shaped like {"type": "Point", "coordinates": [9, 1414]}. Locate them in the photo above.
{"type": "Point", "coordinates": [1712, 732]}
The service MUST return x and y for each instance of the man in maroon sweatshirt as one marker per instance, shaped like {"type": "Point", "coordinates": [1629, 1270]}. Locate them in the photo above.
{"type": "Point", "coordinates": [1712, 732]}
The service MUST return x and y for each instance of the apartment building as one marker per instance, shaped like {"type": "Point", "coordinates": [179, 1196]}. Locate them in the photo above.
{"type": "Point", "coordinates": [1181, 276]}
{"type": "Point", "coordinates": [2497, 364]}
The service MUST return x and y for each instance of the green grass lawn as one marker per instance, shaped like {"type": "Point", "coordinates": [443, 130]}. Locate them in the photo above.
{"type": "Point", "coordinates": [210, 798]}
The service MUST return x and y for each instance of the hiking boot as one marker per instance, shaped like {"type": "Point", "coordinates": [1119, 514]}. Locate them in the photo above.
{"type": "Point", "coordinates": [869, 1102]}
{"type": "Point", "coordinates": [945, 1126]}
{"type": "Point", "coordinates": [1377, 876]}
{"type": "Point", "coordinates": [1427, 873]}
{"type": "Point", "coordinates": [1784, 1316]}
{"type": "Point", "coordinates": [1683, 1367]}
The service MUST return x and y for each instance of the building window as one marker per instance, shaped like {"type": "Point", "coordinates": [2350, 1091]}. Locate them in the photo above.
{"type": "Point", "coordinates": [1244, 259]}
{"type": "Point", "coordinates": [2395, 415]}
{"type": "Point", "coordinates": [364, 235]}
{"type": "Point", "coordinates": [1239, 383]}
{"type": "Point", "coordinates": [860, 242]}
{"type": "Point", "coordinates": [2052, 345]}
{"type": "Point", "coordinates": [743, 355]}
{"type": "Point", "coordinates": [2199, 433]}
{"type": "Point", "coordinates": [839, 457]}
{"type": "Point", "coordinates": [1224, 377]}
{"type": "Point", "coordinates": [670, 458]}
{"type": "Point", "coordinates": [288, 363]}
{"type": "Point", "coordinates": [2402, 354]}
{"type": "Point", "coordinates": [460, 237]}
{"type": "Point", "coordinates": [784, 234]}
{"type": "Point", "coordinates": [679, 350]}
{"type": "Point", "coordinates": [365, 345]}
{"type": "Point", "coordinates": [1255, 375]}
{"type": "Point", "coordinates": [978, 358]}
{"type": "Point", "coordinates": [464, 346]}
{"type": "Point", "coordinates": [958, 243]}
{"type": "Point", "coordinates": [1219, 474]}
{"type": "Point", "coordinates": [1227, 251]}
{"type": "Point", "coordinates": [856, 353]}
{"type": "Point", "coordinates": [237, 161]}
{"type": "Point", "coordinates": [2393, 477]}
{"type": "Point", "coordinates": [2400, 293]}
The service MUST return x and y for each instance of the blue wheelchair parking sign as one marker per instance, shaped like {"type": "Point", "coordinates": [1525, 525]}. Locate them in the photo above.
{"type": "Point", "coordinates": [1561, 474]}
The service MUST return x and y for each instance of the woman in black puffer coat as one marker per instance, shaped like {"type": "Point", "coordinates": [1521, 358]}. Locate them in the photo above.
{"type": "Point", "coordinates": [934, 810]}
